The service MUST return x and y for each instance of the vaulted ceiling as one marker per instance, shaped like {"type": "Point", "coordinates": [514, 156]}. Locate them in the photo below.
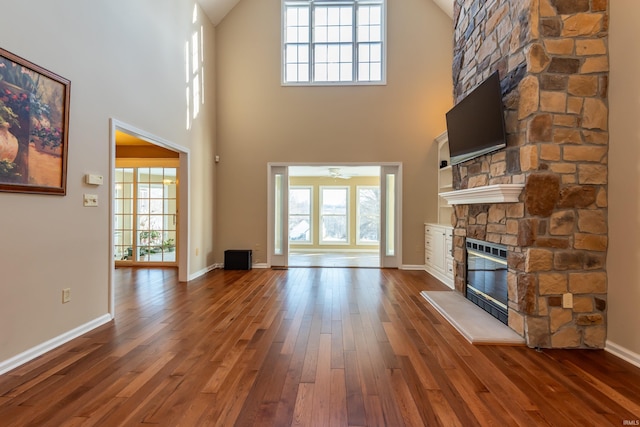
{"type": "Point", "coordinates": [216, 10]}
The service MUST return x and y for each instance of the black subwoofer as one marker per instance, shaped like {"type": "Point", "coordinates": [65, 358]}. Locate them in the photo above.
{"type": "Point", "coordinates": [237, 259]}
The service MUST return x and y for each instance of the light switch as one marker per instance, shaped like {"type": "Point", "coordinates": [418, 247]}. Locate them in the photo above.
{"type": "Point", "coordinates": [93, 179]}
{"type": "Point", "coordinates": [90, 200]}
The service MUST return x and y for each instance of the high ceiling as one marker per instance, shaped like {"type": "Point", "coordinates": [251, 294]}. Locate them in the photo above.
{"type": "Point", "coordinates": [216, 10]}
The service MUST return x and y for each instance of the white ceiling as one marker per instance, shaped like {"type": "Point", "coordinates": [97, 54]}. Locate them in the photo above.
{"type": "Point", "coordinates": [216, 10]}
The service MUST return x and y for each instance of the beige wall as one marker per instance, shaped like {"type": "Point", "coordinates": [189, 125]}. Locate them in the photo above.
{"type": "Point", "coordinates": [125, 60]}
{"type": "Point", "coordinates": [623, 258]}
{"type": "Point", "coordinates": [260, 121]}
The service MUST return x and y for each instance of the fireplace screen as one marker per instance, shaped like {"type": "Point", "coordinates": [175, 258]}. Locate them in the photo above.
{"type": "Point", "coordinates": [487, 277]}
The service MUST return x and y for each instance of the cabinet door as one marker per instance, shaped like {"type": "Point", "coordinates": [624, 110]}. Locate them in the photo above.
{"type": "Point", "coordinates": [437, 242]}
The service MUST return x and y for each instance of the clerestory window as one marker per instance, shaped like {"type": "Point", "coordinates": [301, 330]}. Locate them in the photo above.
{"type": "Point", "coordinates": [333, 42]}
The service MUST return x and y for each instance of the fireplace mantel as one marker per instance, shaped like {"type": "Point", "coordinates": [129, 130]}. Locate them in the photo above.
{"type": "Point", "coordinates": [498, 193]}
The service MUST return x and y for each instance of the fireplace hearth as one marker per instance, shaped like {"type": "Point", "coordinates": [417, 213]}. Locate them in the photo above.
{"type": "Point", "coordinates": [486, 284]}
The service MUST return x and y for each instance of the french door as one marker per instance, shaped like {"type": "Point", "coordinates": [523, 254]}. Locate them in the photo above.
{"type": "Point", "coordinates": [146, 215]}
{"type": "Point", "coordinates": [278, 216]}
{"type": "Point", "coordinates": [390, 215]}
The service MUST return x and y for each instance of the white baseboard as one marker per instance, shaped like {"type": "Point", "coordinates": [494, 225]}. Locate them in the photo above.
{"type": "Point", "coordinates": [412, 267]}
{"type": "Point", "coordinates": [623, 353]}
{"type": "Point", "coordinates": [261, 265]}
{"type": "Point", "coordinates": [39, 350]}
{"type": "Point", "coordinates": [204, 271]}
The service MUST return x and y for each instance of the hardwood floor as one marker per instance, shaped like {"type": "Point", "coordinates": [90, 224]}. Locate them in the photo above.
{"type": "Point", "coordinates": [334, 259]}
{"type": "Point", "coordinates": [315, 347]}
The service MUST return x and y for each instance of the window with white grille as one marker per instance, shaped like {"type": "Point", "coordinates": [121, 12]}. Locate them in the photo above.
{"type": "Point", "coordinates": [333, 42]}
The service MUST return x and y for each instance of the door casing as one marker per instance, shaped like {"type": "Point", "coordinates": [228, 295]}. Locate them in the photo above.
{"type": "Point", "coordinates": [386, 168]}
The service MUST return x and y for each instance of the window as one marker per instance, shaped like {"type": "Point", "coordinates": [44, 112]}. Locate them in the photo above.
{"type": "Point", "coordinates": [333, 41]}
{"type": "Point", "coordinates": [145, 208]}
{"type": "Point", "coordinates": [300, 214]}
{"type": "Point", "coordinates": [194, 64]}
{"type": "Point", "coordinates": [334, 214]}
{"type": "Point", "coordinates": [368, 215]}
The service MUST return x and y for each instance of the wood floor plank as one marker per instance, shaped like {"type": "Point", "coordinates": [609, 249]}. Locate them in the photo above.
{"type": "Point", "coordinates": [304, 347]}
{"type": "Point", "coordinates": [356, 414]}
{"type": "Point", "coordinates": [303, 409]}
{"type": "Point", "coordinates": [338, 415]}
{"type": "Point", "coordinates": [321, 410]}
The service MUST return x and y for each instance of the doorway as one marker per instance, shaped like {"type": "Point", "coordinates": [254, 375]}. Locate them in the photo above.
{"type": "Point", "coordinates": [337, 215]}
{"type": "Point", "coordinates": [122, 135]}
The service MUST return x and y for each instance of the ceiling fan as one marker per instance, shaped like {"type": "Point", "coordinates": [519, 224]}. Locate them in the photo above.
{"type": "Point", "coordinates": [336, 173]}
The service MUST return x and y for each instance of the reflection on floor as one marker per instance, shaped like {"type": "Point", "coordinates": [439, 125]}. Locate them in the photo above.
{"type": "Point", "coordinates": [334, 259]}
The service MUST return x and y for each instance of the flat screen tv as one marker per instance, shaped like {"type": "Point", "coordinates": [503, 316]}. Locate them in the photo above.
{"type": "Point", "coordinates": [476, 124]}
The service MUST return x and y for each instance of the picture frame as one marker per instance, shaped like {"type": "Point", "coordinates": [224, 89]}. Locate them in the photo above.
{"type": "Point", "coordinates": [34, 127]}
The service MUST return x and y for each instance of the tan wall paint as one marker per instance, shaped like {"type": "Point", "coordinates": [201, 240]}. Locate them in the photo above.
{"type": "Point", "coordinates": [353, 184]}
{"type": "Point", "coordinates": [623, 258]}
{"type": "Point", "coordinates": [125, 60]}
{"type": "Point", "coordinates": [260, 121]}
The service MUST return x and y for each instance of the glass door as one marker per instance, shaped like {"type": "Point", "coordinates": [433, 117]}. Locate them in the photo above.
{"type": "Point", "coordinates": [146, 216]}
{"type": "Point", "coordinates": [391, 215]}
{"type": "Point", "coordinates": [278, 214]}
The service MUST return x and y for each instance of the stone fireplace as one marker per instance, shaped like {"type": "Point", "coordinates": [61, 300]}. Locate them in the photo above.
{"type": "Point", "coordinates": [552, 56]}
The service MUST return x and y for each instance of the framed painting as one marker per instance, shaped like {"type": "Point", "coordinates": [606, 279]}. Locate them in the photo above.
{"type": "Point", "coordinates": [34, 127]}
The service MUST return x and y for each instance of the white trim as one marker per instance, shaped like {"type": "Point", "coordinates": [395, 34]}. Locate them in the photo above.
{"type": "Point", "coordinates": [204, 271]}
{"type": "Point", "coordinates": [40, 349]}
{"type": "Point", "coordinates": [442, 277]}
{"type": "Point", "coordinates": [261, 265]}
{"type": "Point", "coordinates": [387, 260]}
{"type": "Point", "coordinates": [412, 267]}
{"type": "Point", "coordinates": [280, 259]}
{"type": "Point", "coordinates": [499, 193]}
{"type": "Point", "coordinates": [184, 201]}
{"type": "Point", "coordinates": [623, 353]}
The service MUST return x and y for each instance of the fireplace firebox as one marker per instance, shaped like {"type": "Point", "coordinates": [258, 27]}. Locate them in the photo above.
{"type": "Point", "coordinates": [487, 277]}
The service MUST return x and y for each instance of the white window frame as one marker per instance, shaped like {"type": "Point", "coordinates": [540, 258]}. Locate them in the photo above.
{"type": "Point", "coordinates": [354, 81]}
{"type": "Point", "coordinates": [310, 188]}
{"type": "Point", "coordinates": [346, 215]}
{"type": "Point", "coordinates": [364, 242]}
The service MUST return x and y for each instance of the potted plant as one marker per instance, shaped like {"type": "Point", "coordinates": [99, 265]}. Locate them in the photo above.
{"type": "Point", "coordinates": [168, 245]}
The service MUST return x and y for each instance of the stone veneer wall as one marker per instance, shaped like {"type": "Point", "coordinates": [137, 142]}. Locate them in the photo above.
{"type": "Point", "coordinates": [552, 56]}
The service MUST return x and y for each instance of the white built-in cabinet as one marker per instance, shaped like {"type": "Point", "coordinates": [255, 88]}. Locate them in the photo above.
{"type": "Point", "coordinates": [438, 261]}
{"type": "Point", "coordinates": [445, 179]}
{"type": "Point", "coordinates": [438, 238]}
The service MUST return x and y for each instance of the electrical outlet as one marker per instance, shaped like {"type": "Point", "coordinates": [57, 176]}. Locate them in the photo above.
{"type": "Point", "coordinates": [66, 295]}
{"type": "Point", "coordinates": [567, 300]}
